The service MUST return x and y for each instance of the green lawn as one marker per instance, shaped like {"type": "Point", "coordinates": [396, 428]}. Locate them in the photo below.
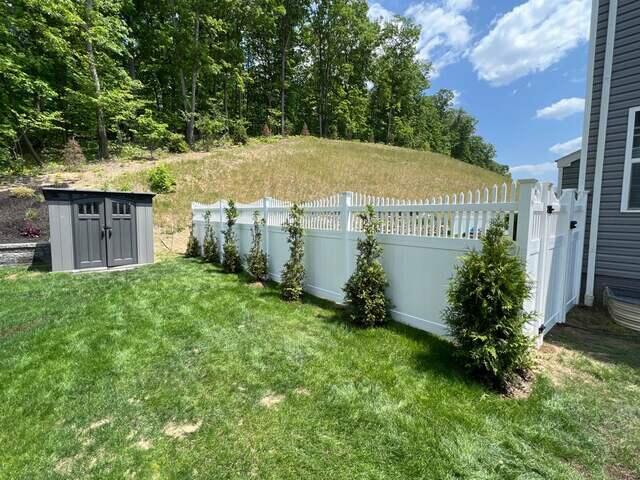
{"type": "Point", "coordinates": [178, 371]}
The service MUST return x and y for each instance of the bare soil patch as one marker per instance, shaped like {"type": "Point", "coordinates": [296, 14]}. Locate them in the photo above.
{"type": "Point", "coordinates": [15, 213]}
{"type": "Point", "coordinates": [271, 400]}
{"type": "Point", "coordinates": [181, 430]}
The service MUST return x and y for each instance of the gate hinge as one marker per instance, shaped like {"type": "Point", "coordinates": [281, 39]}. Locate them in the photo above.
{"type": "Point", "coordinates": [541, 329]}
{"type": "Point", "coordinates": [573, 224]}
{"type": "Point", "coordinates": [550, 209]}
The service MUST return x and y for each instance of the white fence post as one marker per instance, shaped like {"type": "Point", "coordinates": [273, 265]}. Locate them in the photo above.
{"type": "Point", "coordinates": [265, 216]}
{"type": "Point", "coordinates": [525, 217]}
{"type": "Point", "coordinates": [220, 234]}
{"type": "Point", "coordinates": [346, 200]}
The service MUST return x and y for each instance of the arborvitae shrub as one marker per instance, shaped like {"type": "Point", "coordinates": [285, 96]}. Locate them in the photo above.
{"type": "Point", "coordinates": [231, 257]}
{"type": "Point", "coordinates": [486, 315]}
{"type": "Point", "coordinates": [257, 259]}
{"type": "Point", "coordinates": [305, 130]}
{"type": "Point", "coordinates": [266, 130]}
{"type": "Point", "coordinates": [72, 155]}
{"type": "Point", "coordinates": [210, 246]}
{"type": "Point", "coordinates": [293, 270]}
{"type": "Point", "coordinates": [365, 290]}
{"type": "Point", "coordinates": [193, 245]}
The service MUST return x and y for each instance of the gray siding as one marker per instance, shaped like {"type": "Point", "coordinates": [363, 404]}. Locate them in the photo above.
{"type": "Point", "coordinates": [144, 225]}
{"type": "Point", "coordinates": [618, 250]}
{"type": "Point", "coordinates": [60, 224]}
{"type": "Point", "coordinates": [570, 175]}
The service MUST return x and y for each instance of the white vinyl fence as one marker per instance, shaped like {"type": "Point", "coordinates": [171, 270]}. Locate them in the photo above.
{"type": "Point", "coordinates": [423, 240]}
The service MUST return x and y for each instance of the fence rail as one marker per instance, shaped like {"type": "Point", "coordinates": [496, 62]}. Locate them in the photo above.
{"type": "Point", "coordinates": [423, 241]}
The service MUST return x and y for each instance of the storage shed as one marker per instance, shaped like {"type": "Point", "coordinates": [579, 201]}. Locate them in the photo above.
{"type": "Point", "coordinates": [93, 229]}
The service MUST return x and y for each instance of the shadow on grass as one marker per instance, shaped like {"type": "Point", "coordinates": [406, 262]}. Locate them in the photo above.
{"type": "Point", "coordinates": [592, 332]}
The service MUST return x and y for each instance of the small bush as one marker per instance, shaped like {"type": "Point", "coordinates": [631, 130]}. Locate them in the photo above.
{"type": "Point", "coordinates": [150, 132]}
{"type": "Point", "coordinates": [365, 290]}
{"type": "Point", "coordinates": [210, 247]}
{"type": "Point", "coordinates": [238, 133]}
{"type": "Point", "coordinates": [257, 259]}
{"type": "Point", "coordinates": [293, 269]}
{"type": "Point", "coordinates": [231, 257]}
{"type": "Point", "coordinates": [31, 214]}
{"type": "Point", "coordinates": [72, 155]}
{"type": "Point", "coordinates": [161, 180]}
{"type": "Point", "coordinates": [266, 130]}
{"type": "Point", "coordinates": [486, 314]}
{"type": "Point", "coordinates": [193, 246]}
{"type": "Point", "coordinates": [22, 192]}
{"type": "Point", "coordinates": [176, 143]}
{"type": "Point", "coordinates": [305, 130]}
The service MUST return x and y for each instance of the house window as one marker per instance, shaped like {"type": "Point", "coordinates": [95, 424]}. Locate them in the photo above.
{"type": "Point", "coordinates": [631, 183]}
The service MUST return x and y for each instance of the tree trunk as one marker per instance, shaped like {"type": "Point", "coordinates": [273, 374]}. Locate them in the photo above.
{"type": "Point", "coordinates": [194, 84]}
{"type": "Point", "coordinates": [283, 73]}
{"type": "Point", "coordinates": [103, 142]}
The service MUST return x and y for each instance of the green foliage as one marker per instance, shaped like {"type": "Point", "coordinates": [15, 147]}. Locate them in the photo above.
{"type": "Point", "coordinates": [176, 143]}
{"type": "Point", "coordinates": [210, 244]}
{"type": "Point", "coordinates": [257, 258]}
{"type": "Point", "coordinates": [149, 132]}
{"type": "Point", "coordinates": [161, 180]}
{"type": "Point", "coordinates": [365, 290]}
{"type": "Point", "coordinates": [191, 73]}
{"type": "Point", "coordinates": [22, 192]}
{"type": "Point", "coordinates": [193, 246]}
{"type": "Point", "coordinates": [292, 277]}
{"type": "Point", "coordinates": [231, 262]}
{"type": "Point", "coordinates": [486, 314]}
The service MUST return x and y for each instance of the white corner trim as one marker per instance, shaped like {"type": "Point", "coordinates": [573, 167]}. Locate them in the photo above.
{"type": "Point", "coordinates": [589, 96]}
{"type": "Point", "coordinates": [600, 151]}
{"type": "Point", "coordinates": [628, 162]}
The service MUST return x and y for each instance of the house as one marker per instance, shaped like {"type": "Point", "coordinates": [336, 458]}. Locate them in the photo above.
{"type": "Point", "coordinates": [609, 161]}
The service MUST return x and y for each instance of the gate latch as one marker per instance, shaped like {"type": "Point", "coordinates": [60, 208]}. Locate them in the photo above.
{"type": "Point", "coordinates": [550, 209]}
{"type": "Point", "coordinates": [573, 224]}
{"type": "Point", "coordinates": [541, 329]}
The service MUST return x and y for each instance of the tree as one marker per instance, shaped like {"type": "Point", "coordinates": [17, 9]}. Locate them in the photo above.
{"type": "Point", "coordinates": [193, 246]}
{"type": "Point", "coordinates": [231, 257]}
{"type": "Point", "coordinates": [486, 315]}
{"type": "Point", "coordinates": [257, 259]}
{"type": "Point", "coordinates": [365, 289]}
{"type": "Point", "coordinates": [150, 132]}
{"type": "Point", "coordinates": [293, 270]}
{"type": "Point", "coordinates": [210, 247]}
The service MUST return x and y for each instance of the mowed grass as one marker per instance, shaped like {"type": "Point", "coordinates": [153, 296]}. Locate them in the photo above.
{"type": "Point", "coordinates": [303, 168]}
{"type": "Point", "coordinates": [178, 371]}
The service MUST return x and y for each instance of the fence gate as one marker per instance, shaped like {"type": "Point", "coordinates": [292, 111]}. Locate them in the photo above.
{"type": "Point", "coordinates": [553, 252]}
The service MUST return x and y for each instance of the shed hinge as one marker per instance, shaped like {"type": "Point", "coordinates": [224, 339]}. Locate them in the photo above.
{"type": "Point", "coordinates": [541, 329]}
{"type": "Point", "coordinates": [550, 209]}
{"type": "Point", "coordinates": [573, 224]}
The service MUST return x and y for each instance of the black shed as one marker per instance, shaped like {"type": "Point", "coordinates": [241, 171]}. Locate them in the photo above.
{"type": "Point", "coordinates": [99, 229]}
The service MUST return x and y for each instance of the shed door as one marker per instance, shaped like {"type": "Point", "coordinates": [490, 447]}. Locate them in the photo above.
{"type": "Point", "coordinates": [121, 232]}
{"type": "Point", "coordinates": [89, 234]}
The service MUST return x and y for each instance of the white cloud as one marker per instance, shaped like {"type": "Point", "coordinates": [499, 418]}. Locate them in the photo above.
{"type": "Point", "coordinates": [566, 148]}
{"type": "Point", "coordinates": [456, 98]}
{"type": "Point", "coordinates": [562, 109]}
{"type": "Point", "coordinates": [445, 33]}
{"type": "Point", "coordinates": [377, 13]}
{"type": "Point", "coordinates": [540, 171]}
{"type": "Point", "coordinates": [530, 38]}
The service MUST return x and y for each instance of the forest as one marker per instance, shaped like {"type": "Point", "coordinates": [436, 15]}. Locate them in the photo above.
{"type": "Point", "coordinates": [106, 75]}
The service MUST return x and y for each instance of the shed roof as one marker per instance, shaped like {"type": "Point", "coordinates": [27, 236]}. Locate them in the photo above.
{"type": "Point", "coordinates": [51, 192]}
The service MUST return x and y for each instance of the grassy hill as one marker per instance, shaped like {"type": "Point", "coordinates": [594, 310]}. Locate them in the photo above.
{"type": "Point", "coordinates": [300, 168]}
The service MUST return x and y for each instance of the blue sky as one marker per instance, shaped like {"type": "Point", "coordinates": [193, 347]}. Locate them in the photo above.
{"type": "Point", "coordinates": [519, 66]}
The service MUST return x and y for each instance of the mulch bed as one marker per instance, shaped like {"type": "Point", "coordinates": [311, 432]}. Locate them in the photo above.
{"type": "Point", "coordinates": [12, 217]}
